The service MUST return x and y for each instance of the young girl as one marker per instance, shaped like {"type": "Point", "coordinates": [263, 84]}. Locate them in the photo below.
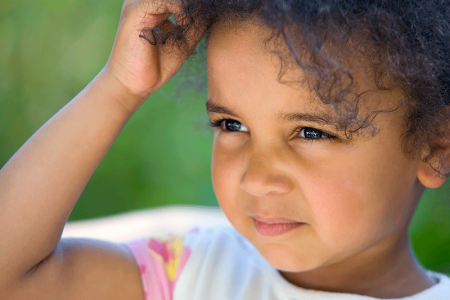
{"type": "Point", "coordinates": [331, 117]}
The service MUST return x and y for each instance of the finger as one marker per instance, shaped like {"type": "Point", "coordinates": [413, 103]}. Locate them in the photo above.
{"type": "Point", "coordinates": [148, 13]}
{"type": "Point", "coordinates": [153, 13]}
{"type": "Point", "coordinates": [158, 35]}
{"type": "Point", "coordinates": [185, 32]}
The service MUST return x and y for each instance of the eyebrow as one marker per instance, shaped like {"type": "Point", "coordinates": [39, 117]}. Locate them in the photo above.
{"type": "Point", "coordinates": [212, 107]}
{"type": "Point", "coordinates": [316, 117]}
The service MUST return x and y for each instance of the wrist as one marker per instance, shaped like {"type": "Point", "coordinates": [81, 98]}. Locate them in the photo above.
{"type": "Point", "coordinates": [116, 91]}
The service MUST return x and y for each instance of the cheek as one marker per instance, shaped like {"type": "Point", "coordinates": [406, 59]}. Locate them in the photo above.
{"type": "Point", "coordinates": [335, 203]}
{"type": "Point", "coordinates": [353, 200]}
{"type": "Point", "coordinates": [225, 170]}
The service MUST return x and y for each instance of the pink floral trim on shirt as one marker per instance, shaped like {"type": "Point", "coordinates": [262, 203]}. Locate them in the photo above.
{"type": "Point", "coordinates": [160, 262]}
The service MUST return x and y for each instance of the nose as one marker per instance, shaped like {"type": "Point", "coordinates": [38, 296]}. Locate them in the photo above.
{"type": "Point", "coordinates": [265, 173]}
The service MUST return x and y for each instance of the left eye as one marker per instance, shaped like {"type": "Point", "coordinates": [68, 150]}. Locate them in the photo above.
{"type": "Point", "coordinates": [313, 134]}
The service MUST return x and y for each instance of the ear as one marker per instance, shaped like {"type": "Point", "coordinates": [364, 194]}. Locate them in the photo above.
{"type": "Point", "coordinates": [429, 177]}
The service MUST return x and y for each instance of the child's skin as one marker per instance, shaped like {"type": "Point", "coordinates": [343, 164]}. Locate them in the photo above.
{"type": "Point", "coordinates": [355, 199]}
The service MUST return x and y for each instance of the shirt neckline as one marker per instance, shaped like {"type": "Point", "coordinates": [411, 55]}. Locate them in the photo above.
{"type": "Point", "coordinates": [285, 289]}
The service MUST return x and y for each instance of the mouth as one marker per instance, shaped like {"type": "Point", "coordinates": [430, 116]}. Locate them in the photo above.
{"type": "Point", "coordinates": [274, 226]}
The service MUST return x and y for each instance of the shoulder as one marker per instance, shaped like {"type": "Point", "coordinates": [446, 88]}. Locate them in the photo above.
{"type": "Point", "coordinates": [160, 261]}
{"type": "Point", "coordinates": [206, 262]}
{"type": "Point", "coordinates": [199, 245]}
{"type": "Point", "coordinates": [81, 269]}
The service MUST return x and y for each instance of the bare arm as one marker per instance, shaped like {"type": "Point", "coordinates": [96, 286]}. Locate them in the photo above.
{"type": "Point", "coordinates": [41, 183]}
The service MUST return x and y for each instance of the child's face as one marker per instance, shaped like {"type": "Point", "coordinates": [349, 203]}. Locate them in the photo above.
{"type": "Point", "coordinates": [348, 199]}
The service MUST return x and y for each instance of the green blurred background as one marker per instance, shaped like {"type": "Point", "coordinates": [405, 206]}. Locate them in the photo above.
{"type": "Point", "coordinates": [49, 50]}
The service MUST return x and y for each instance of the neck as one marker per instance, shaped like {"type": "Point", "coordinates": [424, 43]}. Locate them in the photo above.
{"type": "Point", "coordinates": [387, 270]}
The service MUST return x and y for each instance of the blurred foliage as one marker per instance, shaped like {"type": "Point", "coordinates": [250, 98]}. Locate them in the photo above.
{"type": "Point", "coordinates": [49, 50]}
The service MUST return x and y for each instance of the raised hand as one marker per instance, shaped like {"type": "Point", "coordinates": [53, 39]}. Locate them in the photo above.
{"type": "Point", "coordinates": [136, 62]}
{"type": "Point", "coordinates": [41, 183]}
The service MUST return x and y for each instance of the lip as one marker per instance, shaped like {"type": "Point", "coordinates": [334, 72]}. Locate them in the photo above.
{"type": "Point", "coordinates": [274, 226]}
{"type": "Point", "coordinates": [274, 220]}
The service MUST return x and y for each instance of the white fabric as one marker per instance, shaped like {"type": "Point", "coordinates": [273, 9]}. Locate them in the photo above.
{"type": "Point", "coordinates": [225, 266]}
{"type": "Point", "coordinates": [144, 223]}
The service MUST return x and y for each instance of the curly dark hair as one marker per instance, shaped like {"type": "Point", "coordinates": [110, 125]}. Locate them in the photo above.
{"type": "Point", "coordinates": [406, 42]}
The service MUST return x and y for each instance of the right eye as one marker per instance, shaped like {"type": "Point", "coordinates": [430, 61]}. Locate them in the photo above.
{"type": "Point", "coordinates": [229, 125]}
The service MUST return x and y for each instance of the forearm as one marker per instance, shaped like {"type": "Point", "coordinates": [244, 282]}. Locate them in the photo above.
{"type": "Point", "coordinates": [41, 183]}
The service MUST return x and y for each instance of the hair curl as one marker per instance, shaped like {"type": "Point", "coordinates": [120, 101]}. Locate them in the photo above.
{"type": "Point", "coordinates": [406, 42]}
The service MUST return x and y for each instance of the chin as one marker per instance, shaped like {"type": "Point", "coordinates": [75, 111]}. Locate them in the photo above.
{"type": "Point", "coordinates": [292, 266]}
{"type": "Point", "coordinates": [282, 259]}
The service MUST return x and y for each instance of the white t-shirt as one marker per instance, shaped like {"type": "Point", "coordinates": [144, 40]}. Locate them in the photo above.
{"type": "Point", "coordinates": [217, 263]}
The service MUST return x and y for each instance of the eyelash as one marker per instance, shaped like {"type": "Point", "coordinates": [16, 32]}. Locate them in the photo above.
{"type": "Point", "coordinates": [216, 123]}
{"type": "Point", "coordinates": [328, 136]}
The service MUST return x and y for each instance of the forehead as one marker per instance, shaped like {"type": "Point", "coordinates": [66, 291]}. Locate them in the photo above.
{"type": "Point", "coordinates": [243, 43]}
{"type": "Point", "coordinates": [241, 65]}
{"type": "Point", "coordinates": [251, 45]}
{"type": "Point", "coordinates": [244, 68]}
